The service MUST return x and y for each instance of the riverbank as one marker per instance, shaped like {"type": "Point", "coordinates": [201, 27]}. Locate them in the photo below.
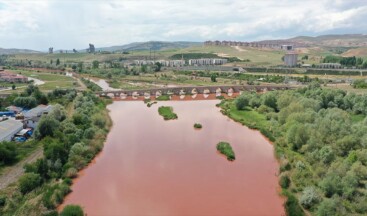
{"type": "Point", "coordinates": [255, 120]}
{"type": "Point", "coordinates": [71, 144]}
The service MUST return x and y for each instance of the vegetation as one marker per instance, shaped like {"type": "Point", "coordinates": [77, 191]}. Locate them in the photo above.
{"type": "Point", "coordinates": [197, 125]}
{"type": "Point", "coordinates": [319, 137]}
{"type": "Point", "coordinates": [163, 98]}
{"type": "Point", "coordinates": [167, 112]}
{"type": "Point", "coordinates": [91, 85]}
{"type": "Point", "coordinates": [69, 141]}
{"type": "Point", "coordinates": [226, 149]}
{"type": "Point", "coordinates": [360, 84]}
{"type": "Point", "coordinates": [72, 210]}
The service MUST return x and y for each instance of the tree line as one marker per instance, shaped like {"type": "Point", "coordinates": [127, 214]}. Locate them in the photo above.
{"type": "Point", "coordinates": [320, 140]}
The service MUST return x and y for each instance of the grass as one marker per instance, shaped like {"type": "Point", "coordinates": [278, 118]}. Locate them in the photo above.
{"type": "Point", "coordinates": [52, 81]}
{"type": "Point", "coordinates": [163, 98]}
{"type": "Point", "coordinates": [249, 117]}
{"type": "Point", "coordinates": [167, 112]}
{"type": "Point", "coordinates": [226, 149]}
{"type": "Point", "coordinates": [198, 126]}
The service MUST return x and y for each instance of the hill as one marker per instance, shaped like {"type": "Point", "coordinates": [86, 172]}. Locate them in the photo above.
{"type": "Point", "coordinates": [344, 40]}
{"type": "Point", "coordinates": [153, 45]}
{"type": "Point", "coordinates": [16, 51]}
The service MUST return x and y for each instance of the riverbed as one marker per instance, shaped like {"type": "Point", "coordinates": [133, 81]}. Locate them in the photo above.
{"type": "Point", "coordinates": [154, 167]}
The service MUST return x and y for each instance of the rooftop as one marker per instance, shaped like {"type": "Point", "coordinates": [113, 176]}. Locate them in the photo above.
{"type": "Point", "coordinates": [38, 111]}
{"type": "Point", "coordinates": [9, 127]}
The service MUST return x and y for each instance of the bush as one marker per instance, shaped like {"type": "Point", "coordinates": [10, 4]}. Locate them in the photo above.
{"type": "Point", "coordinates": [309, 197]}
{"type": "Point", "coordinates": [241, 102]}
{"type": "Point", "coordinates": [72, 210]}
{"type": "Point", "coordinates": [284, 181]}
{"type": "Point", "coordinates": [167, 112]}
{"type": "Point", "coordinates": [197, 125]}
{"type": "Point", "coordinates": [8, 152]}
{"type": "Point", "coordinates": [226, 149]}
{"type": "Point", "coordinates": [2, 201]}
{"type": "Point", "coordinates": [28, 182]}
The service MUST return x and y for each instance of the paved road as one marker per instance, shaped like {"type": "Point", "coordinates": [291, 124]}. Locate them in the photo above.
{"type": "Point", "coordinates": [12, 174]}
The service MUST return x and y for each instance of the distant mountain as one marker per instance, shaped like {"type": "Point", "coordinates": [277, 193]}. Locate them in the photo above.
{"type": "Point", "coordinates": [153, 45]}
{"type": "Point", "coordinates": [16, 51]}
{"type": "Point", "coordinates": [345, 40]}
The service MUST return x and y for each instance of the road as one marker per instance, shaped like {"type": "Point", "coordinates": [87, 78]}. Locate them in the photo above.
{"type": "Point", "coordinates": [12, 174]}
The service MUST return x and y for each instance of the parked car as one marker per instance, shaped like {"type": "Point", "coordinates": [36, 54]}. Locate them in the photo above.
{"type": "Point", "coordinates": [20, 139]}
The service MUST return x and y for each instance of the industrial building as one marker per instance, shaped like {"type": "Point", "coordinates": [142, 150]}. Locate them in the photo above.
{"type": "Point", "coordinates": [290, 59]}
{"type": "Point", "coordinates": [8, 128]}
{"type": "Point", "coordinates": [210, 61]}
{"type": "Point", "coordinates": [32, 117]}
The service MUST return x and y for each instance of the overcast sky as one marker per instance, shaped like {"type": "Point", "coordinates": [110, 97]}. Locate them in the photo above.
{"type": "Point", "coordinates": [67, 24]}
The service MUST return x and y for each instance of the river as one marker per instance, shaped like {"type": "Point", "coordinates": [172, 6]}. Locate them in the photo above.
{"type": "Point", "coordinates": [165, 168]}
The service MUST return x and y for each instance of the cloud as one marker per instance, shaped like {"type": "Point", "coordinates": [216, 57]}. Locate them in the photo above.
{"type": "Point", "coordinates": [73, 24]}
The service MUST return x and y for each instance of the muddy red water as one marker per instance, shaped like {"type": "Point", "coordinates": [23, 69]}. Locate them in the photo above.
{"type": "Point", "coordinates": [154, 167]}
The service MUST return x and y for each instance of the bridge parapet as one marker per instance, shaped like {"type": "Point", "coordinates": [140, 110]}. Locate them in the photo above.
{"type": "Point", "coordinates": [193, 89]}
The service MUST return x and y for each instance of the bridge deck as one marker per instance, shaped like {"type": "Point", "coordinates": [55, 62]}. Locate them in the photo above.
{"type": "Point", "coordinates": [195, 89]}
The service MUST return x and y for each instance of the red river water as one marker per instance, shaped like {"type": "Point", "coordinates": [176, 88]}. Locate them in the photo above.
{"type": "Point", "coordinates": [152, 167]}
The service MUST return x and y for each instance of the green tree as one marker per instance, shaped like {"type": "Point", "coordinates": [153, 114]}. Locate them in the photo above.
{"type": "Point", "coordinates": [8, 152]}
{"type": "Point", "coordinates": [309, 197]}
{"type": "Point", "coordinates": [95, 64]}
{"type": "Point", "coordinates": [72, 210]}
{"type": "Point", "coordinates": [157, 66]}
{"type": "Point", "coordinates": [47, 126]}
{"type": "Point", "coordinates": [57, 62]}
{"type": "Point", "coordinates": [213, 78]}
{"type": "Point", "coordinates": [241, 102]}
{"type": "Point", "coordinates": [28, 182]}
{"type": "Point", "coordinates": [13, 87]}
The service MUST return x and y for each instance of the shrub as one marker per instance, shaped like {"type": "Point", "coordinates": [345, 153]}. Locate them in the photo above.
{"type": "Point", "coordinates": [2, 200]}
{"type": "Point", "coordinates": [72, 210]}
{"type": "Point", "coordinates": [167, 112]}
{"type": "Point", "coordinates": [284, 181]}
{"type": "Point", "coordinates": [197, 125]}
{"type": "Point", "coordinates": [28, 182]}
{"type": "Point", "coordinates": [309, 197]}
{"type": "Point", "coordinates": [226, 149]}
{"type": "Point", "coordinates": [163, 98]}
{"type": "Point", "coordinates": [241, 102]}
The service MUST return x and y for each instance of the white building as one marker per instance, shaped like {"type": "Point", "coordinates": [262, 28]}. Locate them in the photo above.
{"type": "Point", "coordinates": [207, 61]}
{"type": "Point", "coordinates": [330, 65]}
{"type": "Point", "coordinates": [290, 59]}
{"type": "Point", "coordinates": [32, 117]}
{"type": "Point", "coordinates": [8, 128]}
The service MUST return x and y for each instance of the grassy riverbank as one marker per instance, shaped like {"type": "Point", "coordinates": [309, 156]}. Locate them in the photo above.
{"type": "Point", "coordinates": [318, 137]}
{"type": "Point", "coordinates": [167, 113]}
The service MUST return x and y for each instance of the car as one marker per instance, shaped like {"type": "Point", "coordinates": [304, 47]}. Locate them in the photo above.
{"type": "Point", "coordinates": [20, 139]}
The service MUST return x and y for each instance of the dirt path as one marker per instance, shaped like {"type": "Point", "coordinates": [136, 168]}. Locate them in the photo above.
{"type": "Point", "coordinates": [11, 174]}
{"type": "Point", "coordinates": [81, 84]}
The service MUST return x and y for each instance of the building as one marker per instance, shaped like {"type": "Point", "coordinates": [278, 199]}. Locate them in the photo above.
{"type": "Point", "coordinates": [330, 65]}
{"type": "Point", "coordinates": [14, 78]}
{"type": "Point", "coordinates": [164, 63]}
{"type": "Point", "coordinates": [14, 109]}
{"type": "Point", "coordinates": [32, 117]}
{"type": "Point", "coordinates": [290, 59]}
{"type": "Point", "coordinates": [8, 128]}
{"type": "Point", "coordinates": [286, 47]}
{"type": "Point", "coordinates": [211, 61]}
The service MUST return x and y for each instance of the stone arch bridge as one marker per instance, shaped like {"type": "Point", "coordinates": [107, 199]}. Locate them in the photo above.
{"type": "Point", "coordinates": [193, 90]}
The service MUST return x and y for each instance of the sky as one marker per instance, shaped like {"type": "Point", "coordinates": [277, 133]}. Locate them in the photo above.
{"type": "Point", "coordinates": [67, 24]}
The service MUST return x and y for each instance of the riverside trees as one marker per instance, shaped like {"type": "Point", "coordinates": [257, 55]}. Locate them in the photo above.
{"type": "Point", "coordinates": [69, 142]}
{"type": "Point", "coordinates": [320, 139]}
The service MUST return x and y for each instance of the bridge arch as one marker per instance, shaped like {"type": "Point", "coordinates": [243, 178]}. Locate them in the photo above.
{"type": "Point", "coordinates": [194, 91]}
